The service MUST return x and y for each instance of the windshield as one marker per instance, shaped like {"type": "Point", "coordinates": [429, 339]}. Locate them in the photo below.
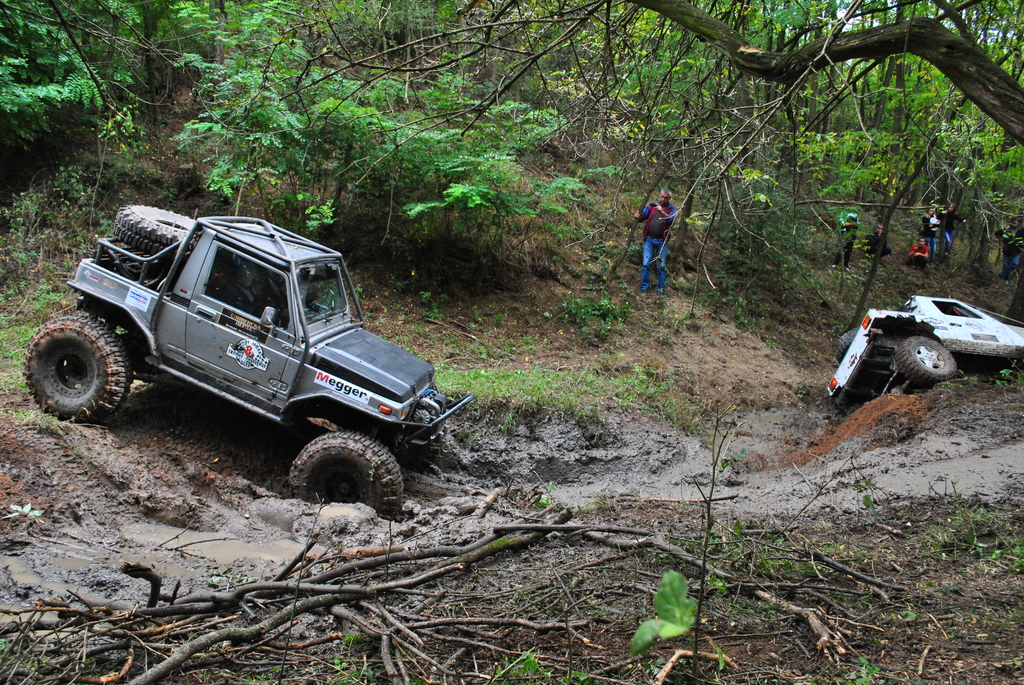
{"type": "Point", "coordinates": [955, 309]}
{"type": "Point", "coordinates": [322, 292]}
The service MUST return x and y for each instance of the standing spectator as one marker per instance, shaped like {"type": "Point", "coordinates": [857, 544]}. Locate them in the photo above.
{"type": "Point", "coordinates": [1013, 246]}
{"type": "Point", "coordinates": [874, 242]}
{"type": "Point", "coordinates": [948, 221]}
{"type": "Point", "coordinates": [659, 217]}
{"type": "Point", "coordinates": [918, 256]}
{"type": "Point", "coordinates": [929, 231]}
{"type": "Point", "coordinates": [849, 232]}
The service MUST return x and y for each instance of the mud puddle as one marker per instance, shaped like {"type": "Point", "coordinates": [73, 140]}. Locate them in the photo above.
{"type": "Point", "coordinates": [207, 508]}
{"type": "Point", "coordinates": [779, 462]}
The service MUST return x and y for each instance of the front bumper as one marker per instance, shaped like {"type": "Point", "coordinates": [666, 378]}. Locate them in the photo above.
{"type": "Point", "coordinates": [422, 433]}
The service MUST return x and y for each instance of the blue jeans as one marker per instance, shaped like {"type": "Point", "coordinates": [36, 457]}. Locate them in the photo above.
{"type": "Point", "coordinates": [932, 243]}
{"type": "Point", "coordinates": [1010, 265]}
{"type": "Point", "coordinates": [949, 239]}
{"type": "Point", "coordinates": [652, 247]}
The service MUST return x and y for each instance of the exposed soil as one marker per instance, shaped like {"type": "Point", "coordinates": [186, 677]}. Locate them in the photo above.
{"type": "Point", "coordinates": [197, 489]}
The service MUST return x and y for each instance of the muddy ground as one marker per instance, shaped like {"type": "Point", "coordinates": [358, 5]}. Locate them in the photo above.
{"type": "Point", "coordinates": [196, 489]}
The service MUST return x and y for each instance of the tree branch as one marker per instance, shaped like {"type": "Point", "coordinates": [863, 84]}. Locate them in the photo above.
{"type": "Point", "coordinates": [963, 62]}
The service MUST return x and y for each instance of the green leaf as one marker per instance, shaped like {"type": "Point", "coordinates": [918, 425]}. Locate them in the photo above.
{"type": "Point", "coordinates": [416, 208]}
{"type": "Point", "coordinates": [676, 612]}
{"type": "Point", "coordinates": [672, 602]}
{"type": "Point", "coordinates": [645, 637]}
{"type": "Point", "coordinates": [869, 503]}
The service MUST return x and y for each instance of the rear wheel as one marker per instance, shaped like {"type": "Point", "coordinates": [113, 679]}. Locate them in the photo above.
{"type": "Point", "coordinates": [346, 466]}
{"type": "Point", "coordinates": [150, 229]}
{"type": "Point", "coordinates": [844, 342]}
{"type": "Point", "coordinates": [924, 361]}
{"type": "Point", "coordinates": [77, 368]}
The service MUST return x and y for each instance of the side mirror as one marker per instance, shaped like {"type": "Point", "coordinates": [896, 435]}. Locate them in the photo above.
{"type": "Point", "coordinates": [269, 313]}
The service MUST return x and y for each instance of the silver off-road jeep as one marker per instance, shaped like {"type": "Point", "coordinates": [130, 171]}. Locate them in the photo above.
{"type": "Point", "coordinates": [257, 315]}
{"type": "Point", "coordinates": [918, 346]}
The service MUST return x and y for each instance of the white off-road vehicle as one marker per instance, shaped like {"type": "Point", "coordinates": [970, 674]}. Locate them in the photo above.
{"type": "Point", "coordinates": [918, 346]}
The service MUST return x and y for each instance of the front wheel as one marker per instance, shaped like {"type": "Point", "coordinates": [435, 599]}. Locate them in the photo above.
{"type": "Point", "coordinates": [924, 361]}
{"type": "Point", "coordinates": [346, 466]}
{"type": "Point", "coordinates": [77, 368]}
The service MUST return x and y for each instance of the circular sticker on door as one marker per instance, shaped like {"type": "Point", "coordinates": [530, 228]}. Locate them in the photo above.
{"type": "Point", "coordinates": [249, 354]}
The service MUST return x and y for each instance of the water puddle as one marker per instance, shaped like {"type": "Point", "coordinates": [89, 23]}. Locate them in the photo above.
{"type": "Point", "coordinates": [52, 567]}
{"type": "Point", "coordinates": [762, 432]}
{"type": "Point", "coordinates": [217, 547]}
{"type": "Point", "coordinates": [21, 574]}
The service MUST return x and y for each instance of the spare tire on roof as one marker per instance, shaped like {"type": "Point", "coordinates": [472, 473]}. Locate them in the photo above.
{"type": "Point", "coordinates": [150, 229]}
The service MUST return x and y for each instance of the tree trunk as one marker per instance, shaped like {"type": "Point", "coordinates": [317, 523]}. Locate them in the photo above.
{"type": "Point", "coordinates": [886, 219]}
{"type": "Point", "coordinates": [681, 228]}
{"type": "Point", "coordinates": [220, 12]}
{"type": "Point", "coordinates": [1016, 310]}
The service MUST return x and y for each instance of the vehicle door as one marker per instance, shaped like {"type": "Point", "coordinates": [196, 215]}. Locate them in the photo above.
{"type": "Point", "coordinates": [225, 336]}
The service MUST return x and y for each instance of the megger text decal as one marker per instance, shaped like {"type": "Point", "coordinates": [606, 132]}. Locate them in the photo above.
{"type": "Point", "coordinates": [342, 388]}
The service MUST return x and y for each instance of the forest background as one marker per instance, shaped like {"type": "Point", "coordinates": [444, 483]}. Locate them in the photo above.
{"type": "Point", "coordinates": [450, 149]}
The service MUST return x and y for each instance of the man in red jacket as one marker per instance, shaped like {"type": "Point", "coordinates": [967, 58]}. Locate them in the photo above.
{"type": "Point", "coordinates": [659, 217]}
{"type": "Point", "coordinates": [919, 253]}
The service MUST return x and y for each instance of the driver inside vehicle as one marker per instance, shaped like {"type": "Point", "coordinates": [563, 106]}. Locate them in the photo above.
{"type": "Point", "coordinates": [248, 286]}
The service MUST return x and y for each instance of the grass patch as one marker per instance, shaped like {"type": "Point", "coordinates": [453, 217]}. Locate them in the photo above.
{"type": "Point", "coordinates": [577, 392]}
{"type": "Point", "coordinates": [13, 341]}
{"type": "Point", "coordinates": [976, 529]}
{"type": "Point", "coordinates": [595, 318]}
{"type": "Point", "coordinates": [39, 420]}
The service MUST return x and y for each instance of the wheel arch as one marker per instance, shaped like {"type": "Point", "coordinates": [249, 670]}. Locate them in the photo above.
{"type": "Point", "coordinates": [119, 316]}
{"type": "Point", "coordinates": [342, 416]}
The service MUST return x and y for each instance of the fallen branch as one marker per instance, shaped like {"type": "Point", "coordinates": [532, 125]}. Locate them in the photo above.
{"type": "Point", "coordinates": [139, 571]}
{"type": "Point", "coordinates": [286, 571]}
{"type": "Point", "coordinates": [389, 664]}
{"type": "Point", "coordinates": [364, 552]}
{"type": "Point", "coordinates": [487, 503]}
{"type": "Point", "coordinates": [451, 328]}
{"type": "Point", "coordinates": [832, 563]}
{"type": "Point", "coordinates": [681, 653]}
{"type": "Point", "coordinates": [924, 655]}
{"type": "Point", "coordinates": [207, 640]}
{"type": "Point", "coordinates": [825, 638]}
{"type": "Point", "coordinates": [522, 623]}
{"type": "Point", "coordinates": [657, 542]}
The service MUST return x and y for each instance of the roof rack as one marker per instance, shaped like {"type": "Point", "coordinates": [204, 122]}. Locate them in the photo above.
{"type": "Point", "coordinates": [245, 229]}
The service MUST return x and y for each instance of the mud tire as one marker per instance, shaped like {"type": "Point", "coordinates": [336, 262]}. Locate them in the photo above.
{"type": "Point", "coordinates": [844, 342]}
{"type": "Point", "coordinates": [346, 466]}
{"type": "Point", "coordinates": [924, 361]}
{"type": "Point", "coordinates": [150, 229]}
{"type": "Point", "coordinates": [77, 368]}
